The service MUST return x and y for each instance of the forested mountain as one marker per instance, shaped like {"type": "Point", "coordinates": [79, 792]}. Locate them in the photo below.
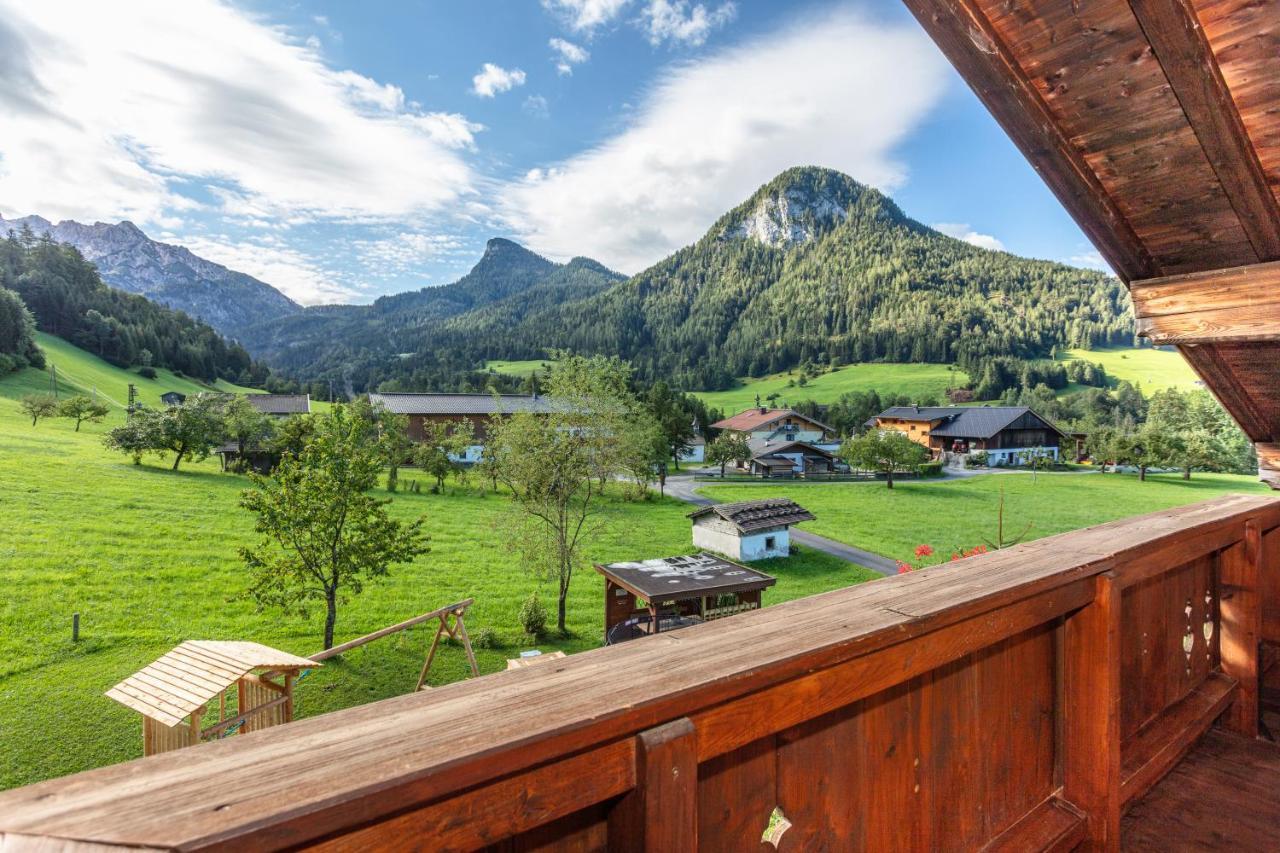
{"type": "Point", "coordinates": [817, 267]}
{"type": "Point", "coordinates": [171, 275]}
{"type": "Point", "coordinates": [68, 298]}
{"type": "Point", "coordinates": [365, 345]}
{"type": "Point", "coordinates": [814, 267]}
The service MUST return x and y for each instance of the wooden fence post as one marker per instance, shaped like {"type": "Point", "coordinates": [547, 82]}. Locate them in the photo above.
{"type": "Point", "coordinates": [1240, 618]}
{"type": "Point", "coordinates": [660, 815]}
{"type": "Point", "coordinates": [1091, 715]}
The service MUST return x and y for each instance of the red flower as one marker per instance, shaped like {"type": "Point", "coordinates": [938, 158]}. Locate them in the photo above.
{"type": "Point", "coordinates": [924, 551]}
{"type": "Point", "coordinates": [903, 568]}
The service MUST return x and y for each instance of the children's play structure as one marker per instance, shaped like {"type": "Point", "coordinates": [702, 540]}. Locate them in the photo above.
{"type": "Point", "coordinates": [173, 693]}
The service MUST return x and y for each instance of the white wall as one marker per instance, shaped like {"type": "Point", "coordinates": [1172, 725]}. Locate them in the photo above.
{"type": "Point", "coordinates": [696, 453]}
{"type": "Point", "coordinates": [723, 539]}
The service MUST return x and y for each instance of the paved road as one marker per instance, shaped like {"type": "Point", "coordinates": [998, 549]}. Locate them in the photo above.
{"type": "Point", "coordinates": [684, 488]}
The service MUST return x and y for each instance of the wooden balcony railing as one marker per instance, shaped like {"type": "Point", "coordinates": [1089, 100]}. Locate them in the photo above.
{"type": "Point", "coordinates": [1015, 701]}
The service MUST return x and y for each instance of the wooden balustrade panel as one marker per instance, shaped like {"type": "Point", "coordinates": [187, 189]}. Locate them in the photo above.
{"type": "Point", "coordinates": [586, 831]}
{"type": "Point", "coordinates": [1271, 587]}
{"type": "Point", "coordinates": [1165, 645]}
{"type": "Point", "coordinates": [945, 761]}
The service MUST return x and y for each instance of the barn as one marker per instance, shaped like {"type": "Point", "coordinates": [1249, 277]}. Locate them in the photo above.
{"type": "Point", "coordinates": [748, 530]}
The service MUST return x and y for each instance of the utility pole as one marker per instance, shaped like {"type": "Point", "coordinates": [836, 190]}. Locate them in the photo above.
{"type": "Point", "coordinates": [53, 380]}
{"type": "Point", "coordinates": [133, 396]}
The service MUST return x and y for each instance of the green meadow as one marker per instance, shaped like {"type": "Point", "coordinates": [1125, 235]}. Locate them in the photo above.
{"type": "Point", "coordinates": [915, 380]}
{"type": "Point", "coordinates": [1153, 369]}
{"type": "Point", "coordinates": [518, 368]}
{"type": "Point", "coordinates": [148, 559]}
{"type": "Point", "coordinates": [951, 515]}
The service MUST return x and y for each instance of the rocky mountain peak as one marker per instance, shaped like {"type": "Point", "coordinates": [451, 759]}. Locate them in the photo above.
{"type": "Point", "coordinates": [798, 206]}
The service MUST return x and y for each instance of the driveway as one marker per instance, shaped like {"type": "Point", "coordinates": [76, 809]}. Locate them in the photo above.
{"type": "Point", "coordinates": [683, 487]}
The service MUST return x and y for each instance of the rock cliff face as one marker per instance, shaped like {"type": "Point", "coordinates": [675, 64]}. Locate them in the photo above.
{"type": "Point", "coordinates": [171, 275]}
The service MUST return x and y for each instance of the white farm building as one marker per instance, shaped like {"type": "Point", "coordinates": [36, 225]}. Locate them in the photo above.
{"type": "Point", "coordinates": [748, 530]}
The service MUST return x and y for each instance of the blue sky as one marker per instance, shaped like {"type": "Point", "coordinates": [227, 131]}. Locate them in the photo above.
{"type": "Point", "coordinates": [343, 150]}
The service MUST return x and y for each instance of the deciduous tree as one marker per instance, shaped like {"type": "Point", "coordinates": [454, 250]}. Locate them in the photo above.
{"type": "Point", "coordinates": [728, 447]}
{"type": "Point", "coordinates": [323, 536]}
{"type": "Point", "coordinates": [886, 451]}
{"type": "Point", "coordinates": [81, 408]}
{"type": "Point", "coordinates": [37, 406]}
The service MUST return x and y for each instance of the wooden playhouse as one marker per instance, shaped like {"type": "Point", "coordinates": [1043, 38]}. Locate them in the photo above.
{"type": "Point", "coordinates": [173, 692]}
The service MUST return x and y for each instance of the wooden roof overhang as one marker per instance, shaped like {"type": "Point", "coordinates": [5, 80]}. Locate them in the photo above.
{"type": "Point", "coordinates": [1156, 123]}
{"type": "Point", "coordinates": [684, 577]}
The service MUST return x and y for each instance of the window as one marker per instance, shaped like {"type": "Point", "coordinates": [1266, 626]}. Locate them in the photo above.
{"type": "Point", "coordinates": [770, 542]}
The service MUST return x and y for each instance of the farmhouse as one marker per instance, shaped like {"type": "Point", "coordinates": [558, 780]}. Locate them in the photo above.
{"type": "Point", "coordinates": [173, 398]}
{"type": "Point", "coordinates": [777, 425]}
{"type": "Point", "coordinates": [478, 409]}
{"type": "Point", "coordinates": [788, 458]}
{"type": "Point", "coordinates": [276, 405]}
{"type": "Point", "coordinates": [1007, 434]}
{"type": "Point", "coordinates": [748, 530]}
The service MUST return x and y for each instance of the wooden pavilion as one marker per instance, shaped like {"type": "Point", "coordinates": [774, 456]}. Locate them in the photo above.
{"type": "Point", "coordinates": [1098, 690]}
{"type": "Point", "coordinates": [677, 592]}
{"type": "Point", "coordinates": [173, 692]}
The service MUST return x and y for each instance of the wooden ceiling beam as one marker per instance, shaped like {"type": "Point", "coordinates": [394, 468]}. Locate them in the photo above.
{"type": "Point", "coordinates": [1184, 52]}
{"type": "Point", "coordinates": [1234, 397]}
{"type": "Point", "coordinates": [1237, 304]}
{"type": "Point", "coordinates": [967, 38]}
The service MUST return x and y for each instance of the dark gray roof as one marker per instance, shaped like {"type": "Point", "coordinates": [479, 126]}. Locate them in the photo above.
{"type": "Point", "coordinates": [676, 578]}
{"type": "Point", "coordinates": [764, 447]}
{"type": "Point", "coordinates": [460, 404]}
{"type": "Point", "coordinates": [280, 404]}
{"type": "Point", "coordinates": [756, 515]}
{"type": "Point", "coordinates": [963, 421]}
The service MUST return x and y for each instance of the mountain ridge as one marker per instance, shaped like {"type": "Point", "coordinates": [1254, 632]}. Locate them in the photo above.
{"type": "Point", "coordinates": [169, 274]}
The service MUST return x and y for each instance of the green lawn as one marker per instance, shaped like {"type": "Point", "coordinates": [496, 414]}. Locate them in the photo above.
{"type": "Point", "coordinates": [961, 513]}
{"type": "Point", "coordinates": [1153, 369]}
{"type": "Point", "coordinates": [518, 368]}
{"type": "Point", "coordinates": [148, 559]}
{"type": "Point", "coordinates": [914, 380]}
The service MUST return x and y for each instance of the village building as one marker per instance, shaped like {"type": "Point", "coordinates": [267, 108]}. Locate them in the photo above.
{"type": "Point", "coordinates": [173, 398]}
{"type": "Point", "coordinates": [748, 530]}
{"type": "Point", "coordinates": [696, 451]}
{"type": "Point", "coordinates": [264, 459]}
{"type": "Point", "coordinates": [477, 409]}
{"type": "Point", "coordinates": [1009, 435]}
{"type": "Point", "coordinates": [783, 442]}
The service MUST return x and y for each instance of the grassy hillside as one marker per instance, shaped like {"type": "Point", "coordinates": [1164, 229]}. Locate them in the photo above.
{"type": "Point", "coordinates": [1153, 369]}
{"type": "Point", "coordinates": [915, 380]}
{"type": "Point", "coordinates": [79, 372]}
{"type": "Point", "coordinates": [952, 514]}
{"type": "Point", "coordinates": [518, 368]}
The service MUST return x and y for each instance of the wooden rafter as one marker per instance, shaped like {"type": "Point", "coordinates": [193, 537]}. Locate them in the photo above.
{"type": "Point", "coordinates": [1180, 45]}
{"type": "Point", "coordinates": [1218, 377]}
{"type": "Point", "coordinates": [973, 46]}
{"type": "Point", "coordinates": [1238, 304]}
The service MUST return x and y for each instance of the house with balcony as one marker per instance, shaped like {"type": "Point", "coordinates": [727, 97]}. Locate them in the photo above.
{"type": "Point", "coordinates": [1008, 435]}
{"type": "Point", "coordinates": [477, 409]}
{"type": "Point", "coordinates": [1104, 689]}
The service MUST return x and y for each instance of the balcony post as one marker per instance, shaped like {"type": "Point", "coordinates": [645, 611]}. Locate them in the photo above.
{"type": "Point", "coordinates": [1240, 573]}
{"type": "Point", "coordinates": [660, 815]}
{"type": "Point", "coordinates": [1091, 715]}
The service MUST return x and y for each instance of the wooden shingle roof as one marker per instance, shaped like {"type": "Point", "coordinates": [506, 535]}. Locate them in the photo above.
{"type": "Point", "coordinates": [757, 515]}
{"type": "Point", "coordinates": [185, 678]}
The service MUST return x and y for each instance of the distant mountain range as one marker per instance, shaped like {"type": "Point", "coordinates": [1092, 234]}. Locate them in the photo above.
{"type": "Point", "coordinates": [128, 259]}
{"type": "Point", "coordinates": [814, 266]}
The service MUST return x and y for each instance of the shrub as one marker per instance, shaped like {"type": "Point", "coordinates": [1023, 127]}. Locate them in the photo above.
{"type": "Point", "coordinates": [486, 638]}
{"type": "Point", "coordinates": [977, 459]}
{"type": "Point", "coordinates": [533, 616]}
{"type": "Point", "coordinates": [931, 469]}
{"type": "Point", "coordinates": [147, 372]}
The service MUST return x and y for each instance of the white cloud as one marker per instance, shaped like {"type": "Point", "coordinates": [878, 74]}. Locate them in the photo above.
{"type": "Point", "coordinates": [962, 231]}
{"type": "Point", "coordinates": [585, 16]}
{"type": "Point", "coordinates": [676, 21]}
{"type": "Point", "coordinates": [494, 79]}
{"type": "Point", "coordinates": [536, 106]}
{"type": "Point", "coordinates": [568, 55]}
{"type": "Point", "coordinates": [711, 132]}
{"type": "Point", "coordinates": [404, 252]}
{"type": "Point", "coordinates": [1090, 259]}
{"type": "Point", "coordinates": [110, 111]}
{"type": "Point", "coordinates": [298, 275]}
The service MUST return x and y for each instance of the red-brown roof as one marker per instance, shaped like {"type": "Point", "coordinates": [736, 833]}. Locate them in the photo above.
{"type": "Point", "coordinates": [752, 419]}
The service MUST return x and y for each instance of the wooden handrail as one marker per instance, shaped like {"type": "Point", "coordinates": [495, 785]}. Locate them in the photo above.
{"type": "Point", "coordinates": [475, 762]}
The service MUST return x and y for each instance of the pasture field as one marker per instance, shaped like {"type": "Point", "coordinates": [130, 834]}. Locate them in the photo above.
{"type": "Point", "coordinates": [914, 380]}
{"type": "Point", "coordinates": [1153, 369]}
{"type": "Point", "coordinates": [518, 368]}
{"type": "Point", "coordinates": [148, 559]}
{"type": "Point", "coordinates": [950, 515]}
